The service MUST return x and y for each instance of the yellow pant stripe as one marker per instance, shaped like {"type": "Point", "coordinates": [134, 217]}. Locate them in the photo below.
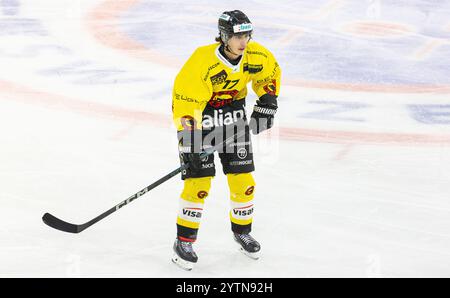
{"type": "Point", "coordinates": [188, 224]}
{"type": "Point", "coordinates": [240, 222]}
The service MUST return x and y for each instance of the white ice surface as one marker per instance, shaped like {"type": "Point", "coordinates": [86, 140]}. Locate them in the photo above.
{"type": "Point", "coordinates": [325, 206]}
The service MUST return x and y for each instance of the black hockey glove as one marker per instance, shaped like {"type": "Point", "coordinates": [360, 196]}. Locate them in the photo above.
{"type": "Point", "coordinates": [195, 163]}
{"type": "Point", "coordinates": [189, 148]}
{"type": "Point", "coordinates": [263, 114]}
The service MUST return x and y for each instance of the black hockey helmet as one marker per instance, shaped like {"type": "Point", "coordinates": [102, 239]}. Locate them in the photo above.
{"type": "Point", "coordinates": [234, 22]}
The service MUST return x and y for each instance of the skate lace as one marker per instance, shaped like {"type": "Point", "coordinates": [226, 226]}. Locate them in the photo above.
{"type": "Point", "coordinates": [186, 246]}
{"type": "Point", "coordinates": [246, 238]}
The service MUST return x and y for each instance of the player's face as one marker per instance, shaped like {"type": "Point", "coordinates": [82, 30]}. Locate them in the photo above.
{"type": "Point", "coordinates": [237, 43]}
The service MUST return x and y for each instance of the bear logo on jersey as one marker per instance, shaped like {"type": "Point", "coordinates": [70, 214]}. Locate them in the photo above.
{"type": "Point", "coordinates": [271, 88]}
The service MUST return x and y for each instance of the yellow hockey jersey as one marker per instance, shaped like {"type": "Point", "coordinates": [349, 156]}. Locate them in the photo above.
{"type": "Point", "coordinates": [207, 77]}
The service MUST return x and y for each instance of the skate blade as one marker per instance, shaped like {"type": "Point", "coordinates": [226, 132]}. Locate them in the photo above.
{"type": "Point", "coordinates": [251, 255]}
{"type": "Point", "coordinates": [183, 264]}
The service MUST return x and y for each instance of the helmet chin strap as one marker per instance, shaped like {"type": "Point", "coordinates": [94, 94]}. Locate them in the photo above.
{"type": "Point", "coordinates": [229, 50]}
{"type": "Point", "coordinates": [225, 38]}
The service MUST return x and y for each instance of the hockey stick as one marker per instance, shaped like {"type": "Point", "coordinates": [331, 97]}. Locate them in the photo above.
{"type": "Point", "coordinates": [65, 226]}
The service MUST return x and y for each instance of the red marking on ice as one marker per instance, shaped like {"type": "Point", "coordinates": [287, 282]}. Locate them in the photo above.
{"type": "Point", "coordinates": [343, 152]}
{"type": "Point", "coordinates": [354, 137]}
{"type": "Point", "coordinates": [427, 48]}
{"type": "Point", "coordinates": [103, 23]}
{"type": "Point", "coordinates": [290, 36]}
{"type": "Point", "coordinates": [123, 132]}
{"type": "Point", "coordinates": [376, 29]}
{"type": "Point", "coordinates": [28, 95]}
{"type": "Point", "coordinates": [381, 88]}
{"type": "Point", "coordinates": [99, 21]}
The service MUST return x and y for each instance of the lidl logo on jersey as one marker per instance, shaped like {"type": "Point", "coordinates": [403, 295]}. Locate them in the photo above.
{"type": "Point", "coordinates": [242, 28]}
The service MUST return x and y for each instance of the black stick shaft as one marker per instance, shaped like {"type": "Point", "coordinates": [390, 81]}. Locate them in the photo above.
{"type": "Point", "coordinates": [136, 195]}
{"type": "Point", "coordinates": [59, 224]}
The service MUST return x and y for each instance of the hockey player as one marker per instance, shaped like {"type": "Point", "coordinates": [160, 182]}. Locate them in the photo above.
{"type": "Point", "coordinates": [208, 103]}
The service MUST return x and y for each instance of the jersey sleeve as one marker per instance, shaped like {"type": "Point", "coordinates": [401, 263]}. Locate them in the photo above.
{"type": "Point", "coordinates": [190, 94]}
{"type": "Point", "coordinates": [267, 82]}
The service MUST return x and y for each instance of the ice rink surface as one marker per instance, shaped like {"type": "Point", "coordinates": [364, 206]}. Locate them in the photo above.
{"type": "Point", "coordinates": [353, 180]}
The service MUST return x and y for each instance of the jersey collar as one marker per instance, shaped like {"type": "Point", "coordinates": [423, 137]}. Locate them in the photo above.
{"type": "Point", "coordinates": [234, 68]}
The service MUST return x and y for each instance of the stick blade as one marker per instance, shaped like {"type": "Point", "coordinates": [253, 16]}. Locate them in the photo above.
{"type": "Point", "coordinates": [59, 224]}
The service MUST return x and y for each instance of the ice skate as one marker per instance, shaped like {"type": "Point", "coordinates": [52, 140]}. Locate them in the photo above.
{"type": "Point", "coordinates": [248, 245]}
{"type": "Point", "coordinates": [184, 255]}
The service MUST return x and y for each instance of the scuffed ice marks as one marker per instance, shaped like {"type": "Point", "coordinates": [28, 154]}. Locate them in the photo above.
{"type": "Point", "coordinates": [11, 23]}
{"type": "Point", "coordinates": [30, 51]}
{"type": "Point", "coordinates": [9, 7]}
{"type": "Point", "coordinates": [22, 26]}
{"type": "Point", "coordinates": [355, 42]}
{"type": "Point", "coordinates": [88, 72]}
{"type": "Point", "coordinates": [25, 37]}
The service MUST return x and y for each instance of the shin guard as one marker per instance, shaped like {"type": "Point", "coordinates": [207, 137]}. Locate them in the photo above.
{"type": "Point", "coordinates": [191, 207]}
{"type": "Point", "coordinates": [242, 187]}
